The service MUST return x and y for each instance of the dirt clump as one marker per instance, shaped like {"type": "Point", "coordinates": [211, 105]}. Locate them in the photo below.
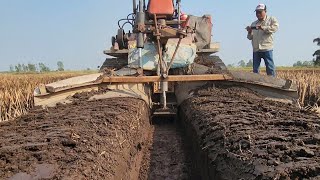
{"type": "Point", "coordinates": [236, 134]}
{"type": "Point", "coordinates": [98, 139]}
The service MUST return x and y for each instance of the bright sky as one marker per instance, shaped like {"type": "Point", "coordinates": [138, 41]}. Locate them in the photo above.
{"type": "Point", "coordinates": [77, 31]}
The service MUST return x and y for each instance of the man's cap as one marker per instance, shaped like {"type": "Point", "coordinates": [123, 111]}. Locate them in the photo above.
{"type": "Point", "coordinates": [261, 7]}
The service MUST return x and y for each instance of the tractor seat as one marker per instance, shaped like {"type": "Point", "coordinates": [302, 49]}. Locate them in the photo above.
{"type": "Point", "coordinates": [162, 8]}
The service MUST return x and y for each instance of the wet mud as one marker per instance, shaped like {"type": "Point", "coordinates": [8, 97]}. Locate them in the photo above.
{"type": "Point", "coordinates": [169, 154]}
{"type": "Point", "coordinates": [236, 134]}
{"type": "Point", "coordinates": [222, 133]}
{"type": "Point", "coordinates": [84, 140]}
{"type": "Point", "coordinates": [100, 139]}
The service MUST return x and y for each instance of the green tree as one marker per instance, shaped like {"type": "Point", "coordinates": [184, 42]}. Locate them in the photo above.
{"type": "Point", "coordinates": [307, 63]}
{"type": "Point", "coordinates": [242, 63]}
{"type": "Point", "coordinates": [250, 63]}
{"type": "Point", "coordinates": [317, 53]}
{"type": "Point", "coordinates": [11, 68]}
{"type": "Point", "coordinates": [60, 66]}
{"type": "Point", "coordinates": [32, 67]}
{"type": "Point", "coordinates": [43, 67]}
{"type": "Point", "coordinates": [24, 68]}
{"type": "Point", "coordinates": [18, 68]}
{"type": "Point", "coordinates": [303, 64]}
{"type": "Point", "coordinates": [297, 64]}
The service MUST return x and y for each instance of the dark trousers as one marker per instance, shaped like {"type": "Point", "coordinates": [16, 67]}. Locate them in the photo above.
{"type": "Point", "coordinates": [267, 56]}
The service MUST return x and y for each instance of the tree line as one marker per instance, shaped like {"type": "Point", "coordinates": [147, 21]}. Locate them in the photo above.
{"type": "Point", "coordinates": [316, 54]}
{"type": "Point", "coordinates": [242, 64]}
{"type": "Point", "coordinates": [313, 63]}
{"type": "Point", "coordinates": [304, 64]}
{"type": "Point", "coordinates": [40, 67]}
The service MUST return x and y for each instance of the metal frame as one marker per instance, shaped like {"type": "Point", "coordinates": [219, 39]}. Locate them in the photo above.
{"type": "Point", "coordinates": [171, 78]}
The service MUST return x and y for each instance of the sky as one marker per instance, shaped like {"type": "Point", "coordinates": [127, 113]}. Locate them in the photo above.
{"type": "Point", "coordinates": [77, 31]}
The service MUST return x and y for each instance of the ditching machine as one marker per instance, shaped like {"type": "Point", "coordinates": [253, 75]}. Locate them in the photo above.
{"type": "Point", "coordinates": [165, 56]}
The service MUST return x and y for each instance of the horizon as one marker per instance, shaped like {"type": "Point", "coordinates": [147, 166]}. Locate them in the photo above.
{"type": "Point", "coordinates": [77, 31]}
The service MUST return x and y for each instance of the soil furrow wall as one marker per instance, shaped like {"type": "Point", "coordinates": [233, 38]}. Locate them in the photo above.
{"type": "Point", "coordinates": [84, 140]}
{"type": "Point", "coordinates": [236, 134]}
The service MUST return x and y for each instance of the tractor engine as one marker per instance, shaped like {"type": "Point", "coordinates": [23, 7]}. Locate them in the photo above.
{"type": "Point", "coordinates": [162, 37]}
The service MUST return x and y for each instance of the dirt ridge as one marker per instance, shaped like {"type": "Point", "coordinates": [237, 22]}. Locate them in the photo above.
{"type": "Point", "coordinates": [83, 140]}
{"type": "Point", "coordinates": [240, 135]}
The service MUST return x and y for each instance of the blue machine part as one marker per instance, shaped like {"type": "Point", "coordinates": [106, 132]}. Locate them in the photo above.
{"type": "Point", "coordinates": [185, 56]}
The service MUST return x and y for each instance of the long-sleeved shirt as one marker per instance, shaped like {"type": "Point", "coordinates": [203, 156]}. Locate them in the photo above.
{"type": "Point", "coordinates": [262, 39]}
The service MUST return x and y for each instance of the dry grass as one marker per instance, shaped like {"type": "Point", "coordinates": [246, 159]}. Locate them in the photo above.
{"type": "Point", "coordinates": [16, 91]}
{"type": "Point", "coordinates": [308, 82]}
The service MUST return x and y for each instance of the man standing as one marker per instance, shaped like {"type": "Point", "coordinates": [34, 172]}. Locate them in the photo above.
{"type": "Point", "coordinates": [261, 34]}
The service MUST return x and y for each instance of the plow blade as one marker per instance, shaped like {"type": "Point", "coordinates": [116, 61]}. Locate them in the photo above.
{"type": "Point", "coordinates": [142, 87]}
{"type": "Point", "coordinates": [172, 78]}
{"type": "Point", "coordinates": [62, 91]}
{"type": "Point", "coordinates": [273, 88]}
{"type": "Point", "coordinates": [117, 86]}
{"type": "Point", "coordinates": [258, 79]}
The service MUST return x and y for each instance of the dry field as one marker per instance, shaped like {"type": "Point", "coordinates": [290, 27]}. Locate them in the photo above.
{"type": "Point", "coordinates": [16, 91]}
{"type": "Point", "coordinates": [308, 82]}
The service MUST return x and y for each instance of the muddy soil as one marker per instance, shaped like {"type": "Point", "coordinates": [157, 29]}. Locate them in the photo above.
{"type": "Point", "coordinates": [101, 139]}
{"type": "Point", "coordinates": [236, 134]}
{"type": "Point", "coordinates": [168, 155]}
{"type": "Point", "coordinates": [85, 140]}
{"type": "Point", "coordinates": [226, 133]}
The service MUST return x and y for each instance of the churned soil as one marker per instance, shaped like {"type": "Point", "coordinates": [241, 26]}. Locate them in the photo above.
{"type": "Point", "coordinates": [225, 133]}
{"type": "Point", "coordinates": [236, 134]}
{"type": "Point", "coordinates": [99, 139]}
{"type": "Point", "coordinates": [168, 155]}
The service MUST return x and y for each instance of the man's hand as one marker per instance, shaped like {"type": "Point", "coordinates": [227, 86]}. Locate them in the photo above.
{"type": "Point", "coordinates": [249, 29]}
{"type": "Point", "coordinates": [259, 27]}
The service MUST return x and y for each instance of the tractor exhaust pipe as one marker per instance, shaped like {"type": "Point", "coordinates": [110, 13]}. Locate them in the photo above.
{"type": "Point", "coordinates": [179, 12]}
{"type": "Point", "coordinates": [140, 21]}
{"type": "Point", "coordinates": [140, 26]}
{"type": "Point", "coordinates": [134, 6]}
